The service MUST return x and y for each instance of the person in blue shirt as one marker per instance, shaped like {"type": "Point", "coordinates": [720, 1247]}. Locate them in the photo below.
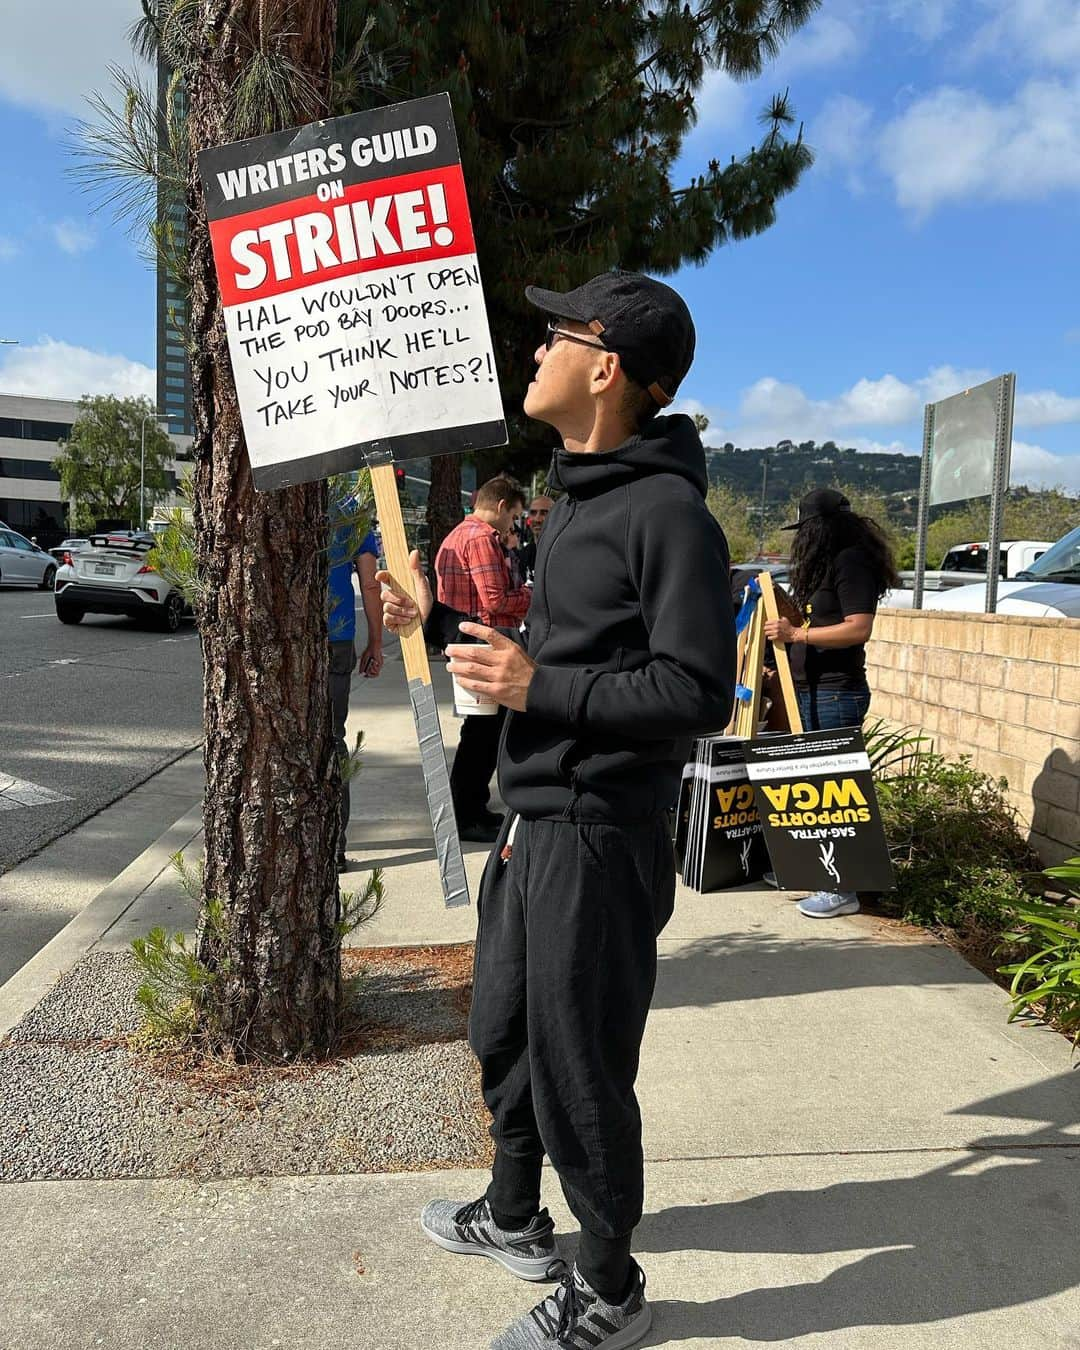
{"type": "Point", "coordinates": [345, 557]}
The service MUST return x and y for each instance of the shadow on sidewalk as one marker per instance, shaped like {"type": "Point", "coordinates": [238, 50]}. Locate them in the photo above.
{"type": "Point", "coordinates": [739, 967]}
{"type": "Point", "coordinates": [990, 1228]}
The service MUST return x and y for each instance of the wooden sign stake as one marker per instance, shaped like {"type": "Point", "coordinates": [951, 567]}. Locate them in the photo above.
{"type": "Point", "coordinates": [421, 692]}
{"type": "Point", "coordinates": [783, 667]}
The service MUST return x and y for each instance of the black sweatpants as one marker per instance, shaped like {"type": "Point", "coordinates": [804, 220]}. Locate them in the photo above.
{"type": "Point", "coordinates": [474, 764]}
{"type": "Point", "coordinates": [564, 973]}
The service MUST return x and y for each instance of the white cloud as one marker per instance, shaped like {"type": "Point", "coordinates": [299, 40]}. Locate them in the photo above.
{"type": "Point", "coordinates": [956, 145]}
{"type": "Point", "coordinates": [840, 134]}
{"type": "Point", "coordinates": [51, 369]}
{"type": "Point", "coordinates": [1045, 408]}
{"type": "Point", "coordinates": [721, 104]}
{"type": "Point", "coordinates": [927, 19]}
{"type": "Point", "coordinates": [825, 41]}
{"type": "Point", "coordinates": [54, 54]}
{"type": "Point", "coordinates": [693, 407]}
{"type": "Point", "coordinates": [1046, 33]}
{"type": "Point", "coordinates": [8, 248]}
{"type": "Point", "coordinates": [771, 410]}
{"type": "Point", "coordinates": [1035, 467]}
{"type": "Point", "coordinates": [72, 237]}
{"type": "Point", "coordinates": [944, 381]}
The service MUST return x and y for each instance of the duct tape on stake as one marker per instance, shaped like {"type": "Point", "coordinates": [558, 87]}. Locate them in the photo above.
{"type": "Point", "coordinates": [437, 787]}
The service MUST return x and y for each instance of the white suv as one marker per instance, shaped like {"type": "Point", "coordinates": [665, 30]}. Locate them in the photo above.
{"type": "Point", "coordinates": [110, 574]}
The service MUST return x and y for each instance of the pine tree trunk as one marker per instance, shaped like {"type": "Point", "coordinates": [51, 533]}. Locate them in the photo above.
{"type": "Point", "coordinates": [444, 509]}
{"type": "Point", "coordinates": [489, 463]}
{"type": "Point", "coordinates": [271, 776]}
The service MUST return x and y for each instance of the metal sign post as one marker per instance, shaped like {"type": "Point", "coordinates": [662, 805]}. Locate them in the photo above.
{"type": "Point", "coordinates": [967, 447]}
{"type": "Point", "coordinates": [924, 505]}
{"type": "Point", "coordinates": [1002, 463]}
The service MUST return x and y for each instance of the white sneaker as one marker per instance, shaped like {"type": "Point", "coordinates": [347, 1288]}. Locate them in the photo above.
{"type": "Point", "coordinates": [829, 905]}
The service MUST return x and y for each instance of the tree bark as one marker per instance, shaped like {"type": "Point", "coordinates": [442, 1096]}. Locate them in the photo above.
{"type": "Point", "coordinates": [489, 463]}
{"type": "Point", "coordinates": [444, 509]}
{"type": "Point", "coordinates": [270, 809]}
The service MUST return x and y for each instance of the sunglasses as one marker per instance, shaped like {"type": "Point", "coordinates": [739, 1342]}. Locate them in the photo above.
{"type": "Point", "coordinates": [554, 331]}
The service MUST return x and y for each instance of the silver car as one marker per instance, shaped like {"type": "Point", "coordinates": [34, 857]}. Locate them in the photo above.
{"type": "Point", "coordinates": [23, 563]}
{"type": "Point", "coordinates": [67, 546]}
{"type": "Point", "coordinates": [111, 574]}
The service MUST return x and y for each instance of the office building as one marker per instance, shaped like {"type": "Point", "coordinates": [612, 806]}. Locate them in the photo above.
{"type": "Point", "coordinates": [173, 370]}
{"type": "Point", "coordinates": [30, 432]}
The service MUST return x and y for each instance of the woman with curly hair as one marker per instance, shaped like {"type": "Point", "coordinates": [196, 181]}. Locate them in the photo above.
{"type": "Point", "coordinates": [841, 566]}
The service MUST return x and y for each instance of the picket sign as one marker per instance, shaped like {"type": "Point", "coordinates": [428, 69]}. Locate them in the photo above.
{"type": "Point", "coordinates": [808, 797]}
{"type": "Point", "coordinates": [815, 796]}
{"type": "Point", "coordinates": [357, 332]}
{"type": "Point", "coordinates": [760, 598]}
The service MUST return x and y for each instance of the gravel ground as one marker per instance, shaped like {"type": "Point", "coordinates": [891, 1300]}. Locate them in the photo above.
{"type": "Point", "coordinates": [402, 1095]}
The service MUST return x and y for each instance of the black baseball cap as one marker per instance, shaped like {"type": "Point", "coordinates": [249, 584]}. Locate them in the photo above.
{"type": "Point", "coordinates": [645, 322]}
{"type": "Point", "coordinates": [820, 502]}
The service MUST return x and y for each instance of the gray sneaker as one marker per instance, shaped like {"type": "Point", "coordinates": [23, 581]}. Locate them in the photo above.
{"type": "Point", "coordinates": [530, 1254]}
{"type": "Point", "coordinates": [577, 1318]}
{"type": "Point", "coordinates": [829, 904]}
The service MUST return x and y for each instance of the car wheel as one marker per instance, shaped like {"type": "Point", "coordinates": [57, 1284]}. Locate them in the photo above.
{"type": "Point", "coordinates": [69, 614]}
{"type": "Point", "coordinates": [172, 612]}
{"type": "Point", "coordinates": [48, 580]}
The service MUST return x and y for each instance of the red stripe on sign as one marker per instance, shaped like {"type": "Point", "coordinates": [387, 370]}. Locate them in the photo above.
{"type": "Point", "coordinates": [413, 218]}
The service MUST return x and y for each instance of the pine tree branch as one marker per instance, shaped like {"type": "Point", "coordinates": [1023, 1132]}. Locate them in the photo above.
{"type": "Point", "coordinates": [765, 37]}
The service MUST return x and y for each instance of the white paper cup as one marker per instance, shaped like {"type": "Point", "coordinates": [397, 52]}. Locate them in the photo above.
{"type": "Point", "coordinates": [468, 704]}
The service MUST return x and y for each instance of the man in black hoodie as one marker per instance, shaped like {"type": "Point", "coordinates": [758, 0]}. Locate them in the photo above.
{"type": "Point", "coordinates": [630, 654]}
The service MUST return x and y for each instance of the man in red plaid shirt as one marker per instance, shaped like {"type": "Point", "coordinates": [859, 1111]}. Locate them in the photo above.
{"type": "Point", "coordinates": [473, 574]}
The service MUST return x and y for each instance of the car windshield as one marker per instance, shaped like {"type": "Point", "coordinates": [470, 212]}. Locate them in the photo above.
{"type": "Point", "coordinates": [1060, 563]}
{"type": "Point", "coordinates": [964, 560]}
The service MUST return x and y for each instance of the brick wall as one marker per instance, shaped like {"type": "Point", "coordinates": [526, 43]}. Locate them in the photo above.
{"type": "Point", "coordinates": [1004, 690]}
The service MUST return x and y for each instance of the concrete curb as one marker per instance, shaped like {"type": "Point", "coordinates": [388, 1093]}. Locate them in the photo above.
{"type": "Point", "coordinates": [25, 989]}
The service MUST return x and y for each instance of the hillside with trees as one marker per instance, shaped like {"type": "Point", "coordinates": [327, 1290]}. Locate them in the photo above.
{"type": "Point", "coordinates": [794, 469]}
{"type": "Point", "coordinates": [882, 486]}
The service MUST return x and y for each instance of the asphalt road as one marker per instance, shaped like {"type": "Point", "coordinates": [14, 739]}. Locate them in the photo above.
{"type": "Point", "coordinates": [88, 712]}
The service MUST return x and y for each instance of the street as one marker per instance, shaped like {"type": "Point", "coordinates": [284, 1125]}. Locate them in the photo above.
{"type": "Point", "coordinates": [87, 712]}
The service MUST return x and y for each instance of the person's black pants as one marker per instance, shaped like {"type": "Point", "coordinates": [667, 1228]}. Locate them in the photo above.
{"type": "Point", "coordinates": [474, 765]}
{"type": "Point", "coordinates": [342, 663]}
{"type": "Point", "coordinates": [564, 972]}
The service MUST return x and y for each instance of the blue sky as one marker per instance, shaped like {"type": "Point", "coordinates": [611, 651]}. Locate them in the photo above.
{"type": "Point", "coordinates": [932, 245]}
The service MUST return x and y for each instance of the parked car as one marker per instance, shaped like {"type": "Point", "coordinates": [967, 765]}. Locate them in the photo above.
{"type": "Point", "coordinates": [966, 563]}
{"type": "Point", "coordinates": [111, 575]}
{"type": "Point", "coordinates": [780, 571]}
{"type": "Point", "coordinates": [67, 546]}
{"type": "Point", "coordinates": [25, 563]}
{"type": "Point", "coordinates": [1048, 589]}
{"type": "Point", "coordinates": [1016, 556]}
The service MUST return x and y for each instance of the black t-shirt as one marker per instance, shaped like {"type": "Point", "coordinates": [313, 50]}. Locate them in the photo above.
{"type": "Point", "coordinates": [850, 587]}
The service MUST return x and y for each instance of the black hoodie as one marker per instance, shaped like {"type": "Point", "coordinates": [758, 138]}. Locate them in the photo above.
{"type": "Point", "coordinates": [632, 629]}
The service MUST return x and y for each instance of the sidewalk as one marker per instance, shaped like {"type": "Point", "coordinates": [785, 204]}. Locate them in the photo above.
{"type": "Point", "coordinates": [846, 1144]}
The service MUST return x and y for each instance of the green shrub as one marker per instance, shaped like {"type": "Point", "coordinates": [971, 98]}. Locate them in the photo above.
{"type": "Point", "coordinates": [1046, 982]}
{"type": "Point", "coordinates": [957, 852]}
{"type": "Point", "coordinates": [177, 991]}
{"type": "Point", "coordinates": [173, 992]}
